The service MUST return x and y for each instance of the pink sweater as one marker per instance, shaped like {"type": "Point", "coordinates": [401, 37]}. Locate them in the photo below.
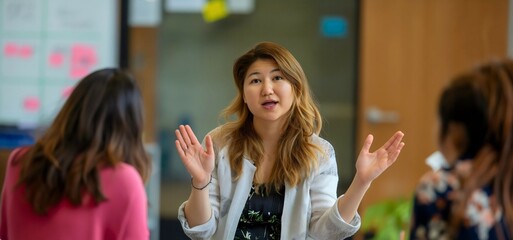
{"type": "Point", "coordinates": [122, 216]}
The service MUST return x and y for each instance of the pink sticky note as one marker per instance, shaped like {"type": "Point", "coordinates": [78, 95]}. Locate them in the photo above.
{"type": "Point", "coordinates": [10, 49]}
{"type": "Point", "coordinates": [66, 92]}
{"type": "Point", "coordinates": [83, 60]}
{"type": "Point", "coordinates": [31, 104]}
{"type": "Point", "coordinates": [56, 59]}
{"type": "Point", "coordinates": [26, 51]}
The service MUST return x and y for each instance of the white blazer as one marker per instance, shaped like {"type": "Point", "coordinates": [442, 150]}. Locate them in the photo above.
{"type": "Point", "coordinates": [309, 211]}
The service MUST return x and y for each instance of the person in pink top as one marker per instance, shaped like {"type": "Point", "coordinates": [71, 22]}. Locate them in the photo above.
{"type": "Point", "coordinates": [83, 179]}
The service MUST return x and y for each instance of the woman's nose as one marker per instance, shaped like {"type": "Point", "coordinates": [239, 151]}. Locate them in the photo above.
{"type": "Point", "coordinates": [267, 88]}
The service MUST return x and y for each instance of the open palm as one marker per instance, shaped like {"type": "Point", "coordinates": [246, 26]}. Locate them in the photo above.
{"type": "Point", "coordinates": [198, 161]}
{"type": "Point", "coordinates": [371, 164]}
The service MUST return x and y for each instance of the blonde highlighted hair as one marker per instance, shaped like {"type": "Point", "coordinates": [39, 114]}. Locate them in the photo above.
{"type": "Point", "coordinates": [296, 154]}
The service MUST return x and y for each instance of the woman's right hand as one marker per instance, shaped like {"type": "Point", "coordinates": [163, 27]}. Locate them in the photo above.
{"type": "Point", "coordinates": [198, 161]}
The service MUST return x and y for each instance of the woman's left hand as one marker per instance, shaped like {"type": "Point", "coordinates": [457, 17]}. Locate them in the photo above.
{"type": "Point", "coordinates": [370, 165]}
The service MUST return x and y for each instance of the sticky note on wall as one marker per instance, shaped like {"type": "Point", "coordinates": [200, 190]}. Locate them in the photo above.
{"type": "Point", "coordinates": [31, 104]}
{"type": "Point", "coordinates": [10, 49]}
{"type": "Point", "coordinates": [56, 59]}
{"type": "Point", "coordinates": [23, 51]}
{"type": "Point", "coordinates": [83, 60]}
{"type": "Point", "coordinates": [334, 27]}
{"type": "Point", "coordinates": [66, 92]}
{"type": "Point", "coordinates": [215, 10]}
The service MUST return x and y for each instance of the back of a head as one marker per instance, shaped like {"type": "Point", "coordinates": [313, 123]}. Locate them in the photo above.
{"type": "Point", "coordinates": [482, 101]}
{"type": "Point", "coordinates": [103, 111]}
{"type": "Point", "coordinates": [100, 124]}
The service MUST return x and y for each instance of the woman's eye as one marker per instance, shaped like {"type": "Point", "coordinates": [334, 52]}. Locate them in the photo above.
{"type": "Point", "coordinates": [254, 81]}
{"type": "Point", "coordinates": [278, 78]}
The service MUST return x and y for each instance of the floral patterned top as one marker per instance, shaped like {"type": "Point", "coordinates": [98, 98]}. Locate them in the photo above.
{"type": "Point", "coordinates": [433, 202]}
{"type": "Point", "coordinates": [261, 217]}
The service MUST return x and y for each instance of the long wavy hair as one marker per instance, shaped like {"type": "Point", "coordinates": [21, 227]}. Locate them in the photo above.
{"type": "Point", "coordinates": [99, 125]}
{"type": "Point", "coordinates": [297, 154]}
{"type": "Point", "coordinates": [482, 101]}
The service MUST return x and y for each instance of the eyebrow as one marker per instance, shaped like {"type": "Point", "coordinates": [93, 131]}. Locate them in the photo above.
{"type": "Point", "coordinates": [256, 73]}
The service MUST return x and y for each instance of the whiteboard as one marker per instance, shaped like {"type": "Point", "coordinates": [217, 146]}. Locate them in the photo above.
{"type": "Point", "coordinates": [46, 47]}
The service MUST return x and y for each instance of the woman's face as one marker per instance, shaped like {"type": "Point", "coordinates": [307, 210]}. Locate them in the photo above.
{"type": "Point", "coordinates": [453, 143]}
{"type": "Point", "coordinates": [267, 93]}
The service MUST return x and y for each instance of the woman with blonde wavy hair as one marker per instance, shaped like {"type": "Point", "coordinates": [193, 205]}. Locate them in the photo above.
{"type": "Point", "coordinates": [267, 174]}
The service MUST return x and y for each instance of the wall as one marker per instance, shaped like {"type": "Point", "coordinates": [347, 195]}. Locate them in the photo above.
{"type": "Point", "coordinates": [510, 30]}
{"type": "Point", "coordinates": [195, 64]}
{"type": "Point", "coordinates": [46, 47]}
{"type": "Point", "coordinates": [409, 51]}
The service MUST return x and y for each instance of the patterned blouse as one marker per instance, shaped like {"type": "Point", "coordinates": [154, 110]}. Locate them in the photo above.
{"type": "Point", "coordinates": [261, 217]}
{"type": "Point", "coordinates": [433, 202]}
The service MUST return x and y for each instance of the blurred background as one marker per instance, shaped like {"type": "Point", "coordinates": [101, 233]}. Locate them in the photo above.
{"type": "Point", "coordinates": [374, 67]}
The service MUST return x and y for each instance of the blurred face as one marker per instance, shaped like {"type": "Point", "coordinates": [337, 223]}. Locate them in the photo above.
{"type": "Point", "coordinates": [267, 93]}
{"type": "Point", "coordinates": [453, 143]}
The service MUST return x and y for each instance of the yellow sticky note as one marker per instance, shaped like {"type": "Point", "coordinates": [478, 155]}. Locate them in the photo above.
{"type": "Point", "coordinates": [215, 10]}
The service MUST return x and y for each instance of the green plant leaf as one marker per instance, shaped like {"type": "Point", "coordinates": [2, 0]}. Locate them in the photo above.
{"type": "Point", "coordinates": [387, 218]}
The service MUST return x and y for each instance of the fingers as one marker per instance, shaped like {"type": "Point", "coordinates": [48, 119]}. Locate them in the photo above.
{"type": "Point", "coordinates": [209, 145]}
{"type": "Point", "coordinates": [187, 162]}
{"type": "Point", "coordinates": [185, 135]}
{"type": "Point", "coordinates": [180, 149]}
{"type": "Point", "coordinates": [400, 147]}
{"type": "Point", "coordinates": [398, 138]}
{"type": "Point", "coordinates": [393, 156]}
{"type": "Point", "coordinates": [181, 145]}
{"type": "Point", "coordinates": [396, 146]}
{"type": "Point", "coordinates": [195, 159]}
{"type": "Point", "coordinates": [394, 140]}
{"type": "Point", "coordinates": [367, 144]}
{"type": "Point", "coordinates": [191, 135]}
{"type": "Point", "coordinates": [392, 148]}
{"type": "Point", "coordinates": [187, 139]}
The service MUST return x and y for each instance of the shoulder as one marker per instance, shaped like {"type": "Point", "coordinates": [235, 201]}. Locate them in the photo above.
{"type": "Point", "coordinates": [216, 133]}
{"type": "Point", "coordinates": [219, 137]}
{"type": "Point", "coordinates": [326, 155]}
{"type": "Point", "coordinates": [122, 170]}
{"type": "Point", "coordinates": [12, 164]}
{"type": "Point", "coordinates": [16, 154]}
{"type": "Point", "coordinates": [321, 142]}
{"type": "Point", "coordinates": [121, 177]}
{"type": "Point", "coordinates": [327, 151]}
{"type": "Point", "coordinates": [12, 167]}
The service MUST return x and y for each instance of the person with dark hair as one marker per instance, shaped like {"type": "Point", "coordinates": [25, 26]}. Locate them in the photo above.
{"type": "Point", "coordinates": [83, 178]}
{"type": "Point", "coordinates": [265, 173]}
{"type": "Point", "coordinates": [471, 196]}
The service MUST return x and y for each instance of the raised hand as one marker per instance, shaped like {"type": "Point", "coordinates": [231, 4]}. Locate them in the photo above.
{"type": "Point", "coordinates": [370, 165]}
{"type": "Point", "coordinates": [198, 161]}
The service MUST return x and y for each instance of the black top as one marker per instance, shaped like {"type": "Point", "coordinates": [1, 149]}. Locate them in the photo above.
{"type": "Point", "coordinates": [261, 217]}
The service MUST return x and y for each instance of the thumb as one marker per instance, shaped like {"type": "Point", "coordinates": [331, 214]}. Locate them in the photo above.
{"type": "Point", "coordinates": [368, 142]}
